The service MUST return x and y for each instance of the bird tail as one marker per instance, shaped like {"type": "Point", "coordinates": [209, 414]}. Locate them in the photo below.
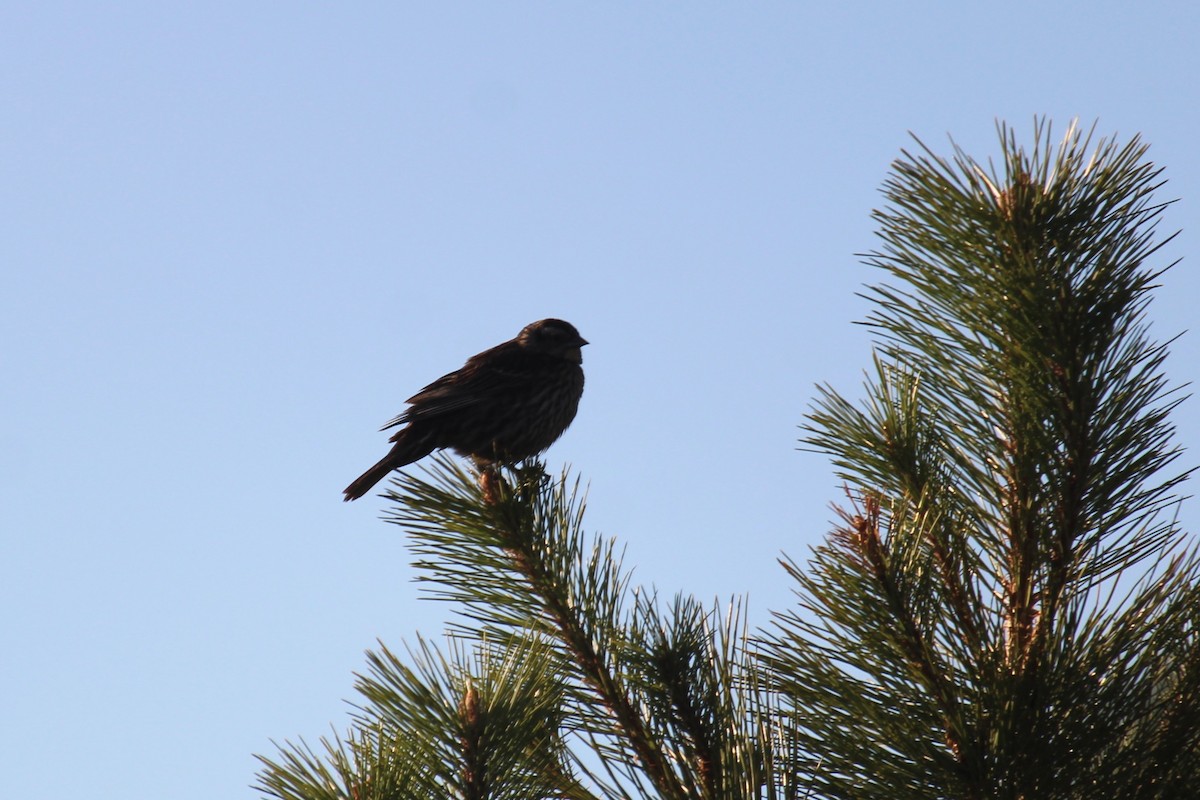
{"type": "Point", "coordinates": [406, 450]}
{"type": "Point", "coordinates": [365, 482]}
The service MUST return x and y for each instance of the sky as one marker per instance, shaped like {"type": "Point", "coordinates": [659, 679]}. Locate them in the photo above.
{"type": "Point", "coordinates": [234, 237]}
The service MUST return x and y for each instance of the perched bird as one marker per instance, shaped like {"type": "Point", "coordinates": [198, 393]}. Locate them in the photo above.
{"type": "Point", "coordinates": [504, 405]}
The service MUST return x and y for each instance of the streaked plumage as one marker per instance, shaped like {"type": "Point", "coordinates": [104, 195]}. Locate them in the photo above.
{"type": "Point", "coordinates": [504, 405]}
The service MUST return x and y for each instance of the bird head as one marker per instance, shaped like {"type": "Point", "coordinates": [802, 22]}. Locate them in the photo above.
{"type": "Point", "coordinates": [554, 337]}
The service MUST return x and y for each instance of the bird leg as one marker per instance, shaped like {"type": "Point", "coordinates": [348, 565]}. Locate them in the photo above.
{"type": "Point", "coordinates": [490, 482]}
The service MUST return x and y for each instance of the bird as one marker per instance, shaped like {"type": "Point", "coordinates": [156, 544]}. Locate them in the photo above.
{"type": "Point", "coordinates": [504, 405]}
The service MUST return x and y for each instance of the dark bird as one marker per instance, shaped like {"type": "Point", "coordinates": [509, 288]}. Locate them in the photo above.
{"type": "Point", "coordinates": [504, 405]}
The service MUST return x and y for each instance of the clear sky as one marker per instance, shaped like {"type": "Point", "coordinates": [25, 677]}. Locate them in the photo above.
{"type": "Point", "coordinates": [235, 236]}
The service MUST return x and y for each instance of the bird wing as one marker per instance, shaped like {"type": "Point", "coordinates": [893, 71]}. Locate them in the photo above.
{"type": "Point", "coordinates": [484, 378]}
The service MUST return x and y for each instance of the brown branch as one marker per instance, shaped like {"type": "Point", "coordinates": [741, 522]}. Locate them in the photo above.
{"type": "Point", "coordinates": [708, 763]}
{"type": "Point", "coordinates": [563, 615]}
{"type": "Point", "coordinates": [864, 536]}
{"type": "Point", "coordinates": [474, 748]}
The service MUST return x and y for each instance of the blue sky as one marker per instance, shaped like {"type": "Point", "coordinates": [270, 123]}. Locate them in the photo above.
{"type": "Point", "coordinates": [237, 235]}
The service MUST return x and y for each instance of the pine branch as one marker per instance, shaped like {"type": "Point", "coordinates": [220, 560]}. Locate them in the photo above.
{"type": "Point", "coordinates": [1011, 465]}
{"type": "Point", "coordinates": [518, 561]}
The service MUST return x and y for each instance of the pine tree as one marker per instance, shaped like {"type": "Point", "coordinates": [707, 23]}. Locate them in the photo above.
{"type": "Point", "coordinates": [563, 681]}
{"type": "Point", "coordinates": [1008, 608]}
